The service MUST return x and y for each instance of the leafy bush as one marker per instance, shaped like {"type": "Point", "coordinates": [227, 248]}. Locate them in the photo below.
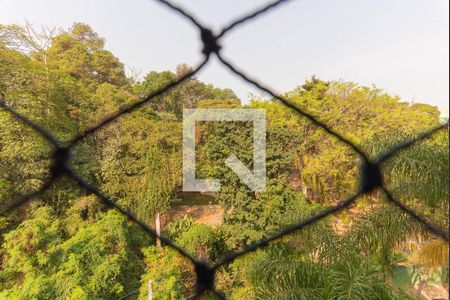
{"type": "Point", "coordinates": [178, 227]}
{"type": "Point", "coordinates": [99, 260]}
{"type": "Point", "coordinates": [165, 270]}
{"type": "Point", "coordinates": [281, 271]}
{"type": "Point", "coordinates": [203, 241]}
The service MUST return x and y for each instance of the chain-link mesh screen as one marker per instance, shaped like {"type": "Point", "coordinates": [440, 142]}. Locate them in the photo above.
{"type": "Point", "coordinates": [370, 174]}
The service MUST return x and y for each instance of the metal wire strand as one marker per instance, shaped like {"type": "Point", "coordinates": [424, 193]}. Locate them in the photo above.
{"type": "Point", "coordinates": [126, 212]}
{"type": "Point", "coordinates": [44, 133]}
{"type": "Point", "coordinates": [293, 228]}
{"type": "Point", "coordinates": [428, 225]}
{"type": "Point", "coordinates": [310, 117]}
{"type": "Point", "coordinates": [138, 104]}
{"type": "Point", "coordinates": [251, 16]}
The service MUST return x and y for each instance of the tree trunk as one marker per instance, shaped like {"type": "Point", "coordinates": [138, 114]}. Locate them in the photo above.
{"type": "Point", "coordinates": [158, 229]}
{"type": "Point", "coordinates": [150, 290]}
{"type": "Point", "coordinates": [419, 288]}
{"type": "Point", "coordinates": [301, 165]}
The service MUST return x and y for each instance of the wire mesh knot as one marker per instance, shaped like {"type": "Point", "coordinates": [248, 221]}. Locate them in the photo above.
{"type": "Point", "coordinates": [205, 277]}
{"type": "Point", "coordinates": [60, 158]}
{"type": "Point", "coordinates": [371, 176]}
{"type": "Point", "coordinates": [209, 42]}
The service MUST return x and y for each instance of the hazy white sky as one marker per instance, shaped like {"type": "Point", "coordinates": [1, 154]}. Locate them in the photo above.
{"type": "Point", "coordinates": [401, 46]}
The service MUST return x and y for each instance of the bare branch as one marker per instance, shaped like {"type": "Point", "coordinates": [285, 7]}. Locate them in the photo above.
{"type": "Point", "coordinates": [27, 39]}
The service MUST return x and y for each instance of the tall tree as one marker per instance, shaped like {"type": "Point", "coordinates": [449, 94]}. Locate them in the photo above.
{"type": "Point", "coordinates": [79, 52]}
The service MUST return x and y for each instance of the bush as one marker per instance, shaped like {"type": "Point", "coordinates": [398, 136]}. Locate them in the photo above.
{"type": "Point", "coordinates": [203, 241]}
{"type": "Point", "coordinates": [166, 270]}
{"type": "Point", "coordinates": [178, 227]}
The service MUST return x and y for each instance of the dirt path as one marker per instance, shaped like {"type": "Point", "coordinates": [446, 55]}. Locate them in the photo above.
{"type": "Point", "coordinates": [210, 214]}
{"type": "Point", "coordinates": [433, 292]}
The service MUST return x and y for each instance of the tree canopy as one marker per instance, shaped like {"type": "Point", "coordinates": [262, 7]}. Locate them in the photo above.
{"type": "Point", "coordinates": [64, 244]}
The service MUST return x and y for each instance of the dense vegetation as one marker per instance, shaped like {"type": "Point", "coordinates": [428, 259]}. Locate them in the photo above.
{"type": "Point", "coordinates": [66, 245]}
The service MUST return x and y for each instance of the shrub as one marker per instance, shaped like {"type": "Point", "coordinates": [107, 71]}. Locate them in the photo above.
{"type": "Point", "coordinates": [179, 226]}
{"type": "Point", "coordinates": [203, 241]}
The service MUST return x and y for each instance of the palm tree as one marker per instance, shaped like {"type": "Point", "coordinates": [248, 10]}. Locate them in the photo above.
{"type": "Point", "coordinates": [283, 274]}
{"type": "Point", "coordinates": [419, 174]}
{"type": "Point", "coordinates": [359, 264]}
{"type": "Point", "coordinates": [432, 255]}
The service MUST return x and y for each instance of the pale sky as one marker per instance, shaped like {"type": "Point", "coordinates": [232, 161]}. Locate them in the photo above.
{"type": "Point", "coordinates": [402, 46]}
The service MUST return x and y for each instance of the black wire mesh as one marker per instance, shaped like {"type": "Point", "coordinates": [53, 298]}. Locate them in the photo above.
{"type": "Point", "coordinates": [370, 174]}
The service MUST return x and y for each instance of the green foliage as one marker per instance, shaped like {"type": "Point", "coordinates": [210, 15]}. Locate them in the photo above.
{"type": "Point", "coordinates": [203, 241]}
{"type": "Point", "coordinates": [179, 227]}
{"type": "Point", "coordinates": [185, 95]}
{"type": "Point", "coordinates": [97, 260]}
{"type": "Point", "coordinates": [45, 95]}
{"type": "Point", "coordinates": [282, 273]}
{"type": "Point", "coordinates": [380, 232]}
{"type": "Point", "coordinates": [79, 52]}
{"type": "Point", "coordinates": [23, 159]}
{"type": "Point", "coordinates": [418, 176]}
{"type": "Point", "coordinates": [328, 168]}
{"type": "Point", "coordinates": [358, 280]}
{"type": "Point", "coordinates": [143, 155]}
{"type": "Point", "coordinates": [107, 99]}
{"type": "Point", "coordinates": [168, 272]}
{"type": "Point", "coordinates": [251, 216]}
{"type": "Point", "coordinates": [223, 103]}
{"type": "Point", "coordinates": [66, 245]}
